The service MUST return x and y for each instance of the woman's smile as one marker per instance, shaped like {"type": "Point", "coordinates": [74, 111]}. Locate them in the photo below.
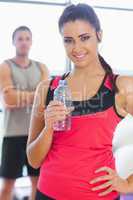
{"type": "Point", "coordinates": [80, 56]}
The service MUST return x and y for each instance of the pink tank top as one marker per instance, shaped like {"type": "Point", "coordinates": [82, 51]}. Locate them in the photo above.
{"type": "Point", "coordinates": [76, 154]}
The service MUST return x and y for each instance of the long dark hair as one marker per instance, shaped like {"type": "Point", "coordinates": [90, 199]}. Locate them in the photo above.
{"type": "Point", "coordinates": [86, 13]}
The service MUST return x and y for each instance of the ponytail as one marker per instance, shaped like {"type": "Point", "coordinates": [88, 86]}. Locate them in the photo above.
{"type": "Point", "coordinates": [107, 68]}
{"type": "Point", "coordinates": [105, 65]}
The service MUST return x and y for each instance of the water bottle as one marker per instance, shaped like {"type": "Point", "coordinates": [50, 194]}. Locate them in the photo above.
{"type": "Point", "coordinates": [62, 94]}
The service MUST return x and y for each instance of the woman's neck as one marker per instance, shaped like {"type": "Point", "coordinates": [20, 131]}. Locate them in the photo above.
{"type": "Point", "coordinates": [93, 69]}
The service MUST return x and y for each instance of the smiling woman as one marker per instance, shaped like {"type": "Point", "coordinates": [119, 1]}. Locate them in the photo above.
{"type": "Point", "coordinates": [69, 159]}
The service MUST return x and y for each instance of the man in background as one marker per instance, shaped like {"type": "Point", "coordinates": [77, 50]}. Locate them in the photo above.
{"type": "Point", "coordinates": [19, 77]}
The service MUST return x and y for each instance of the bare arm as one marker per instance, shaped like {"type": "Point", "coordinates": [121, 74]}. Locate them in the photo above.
{"type": "Point", "coordinates": [13, 97]}
{"type": "Point", "coordinates": [125, 87]}
{"type": "Point", "coordinates": [130, 182]}
{"type": "Point", "coordinates": [41, 126]}
{"type": "Point", "coordinates": [40, 138]}
{"type": "Point", "coordinates": [124, 98]}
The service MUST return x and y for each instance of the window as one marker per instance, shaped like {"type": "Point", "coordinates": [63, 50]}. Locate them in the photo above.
{"type": "Point", "coordinates": [116, 22]}
{"type": "Point", "coordinates": [43, 21]}
{"type": "Point", "coordinates": [46, 1]}
{"type": "Point", "coordinates": [117, 42]}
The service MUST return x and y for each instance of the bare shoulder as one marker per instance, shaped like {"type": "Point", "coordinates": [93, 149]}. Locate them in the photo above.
{"type": "Point", "coordinates": [5, 75]}
{"type": "Point", "coordinates": [43, 66]}
{"type": "Point", "coordinates": [4, 67]}
{"type": "Point", "coordinates": [125, 83]}
{"type": "Point", "coordinates": [44, 71]}
{"type": "Point", "coordinates": [124, 97]}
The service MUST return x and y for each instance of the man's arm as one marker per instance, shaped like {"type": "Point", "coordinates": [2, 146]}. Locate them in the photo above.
{"type": "Point", "coordinates": [14, 97]}
{"type": "Point", "coordinates": [44, 72]}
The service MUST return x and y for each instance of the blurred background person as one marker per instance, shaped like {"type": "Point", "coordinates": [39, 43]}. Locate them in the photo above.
{"type": "Point", "coordinates": [19, 77]}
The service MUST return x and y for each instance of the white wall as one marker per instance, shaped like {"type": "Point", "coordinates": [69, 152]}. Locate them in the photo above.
{"type": "Point", "coordinates": [43, 21]}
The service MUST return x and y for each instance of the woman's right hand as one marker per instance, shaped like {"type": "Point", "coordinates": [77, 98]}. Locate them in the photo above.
{"type": "Point", "coordinates": [55, 111]}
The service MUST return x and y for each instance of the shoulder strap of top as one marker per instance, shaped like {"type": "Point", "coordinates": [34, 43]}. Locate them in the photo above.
{"type": "Point", "coordinates": [115, 86]}
{"type": "Point", "coordinates": [110, 81]}
{"type": "Point", "coordinates": [8, 61]}
{"type": "Point", "coordinates": [53, 85]}
{"type": "Point", "coordinates": [38, 64]}
{"type": "Point", "coordinates": [55, 81]}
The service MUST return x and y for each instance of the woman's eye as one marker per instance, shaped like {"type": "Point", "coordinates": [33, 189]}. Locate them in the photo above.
{"type": "Point", "coordinates": [67, 41]}
{"type": "Point", "coordinates": [28, 39]}
{"type": "Point", "coordinates": [20, 39]}
{"type": "Point", "coordinates": [84, 38]}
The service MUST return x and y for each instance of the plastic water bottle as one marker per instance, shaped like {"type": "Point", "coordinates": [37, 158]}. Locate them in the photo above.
{"type": "Point", "coordinates": [62, 94]}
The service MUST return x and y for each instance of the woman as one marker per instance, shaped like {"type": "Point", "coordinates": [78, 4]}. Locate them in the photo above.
{"type": "Point", "coordinates": [69, 159]}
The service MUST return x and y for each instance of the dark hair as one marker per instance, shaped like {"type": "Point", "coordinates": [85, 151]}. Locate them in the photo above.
{"type": "Point", "coordinates": [86, 13]}
{"type": "Point", "coordinates": [20, 28]}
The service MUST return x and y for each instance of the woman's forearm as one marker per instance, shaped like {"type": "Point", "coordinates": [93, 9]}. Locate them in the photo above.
{"type": "Point", "coordinates": [130, 182]}
{"type": "Point", "coordinates": [38, 149]}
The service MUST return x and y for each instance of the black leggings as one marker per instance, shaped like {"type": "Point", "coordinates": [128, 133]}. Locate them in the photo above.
{"type": "Point", "coordinates": [118, 198]}
{"type": "Point", "coordinates": [40, 196]}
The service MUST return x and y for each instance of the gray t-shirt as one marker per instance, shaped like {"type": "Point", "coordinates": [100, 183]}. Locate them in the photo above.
{"type": "Point", "coordinates": [17, 120]}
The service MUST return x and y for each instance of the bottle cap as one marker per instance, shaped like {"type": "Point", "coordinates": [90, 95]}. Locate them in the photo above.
{"type": "Point", "coordinates": [62, 82]}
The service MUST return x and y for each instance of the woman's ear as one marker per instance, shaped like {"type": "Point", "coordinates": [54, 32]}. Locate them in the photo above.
{"type": "Point", "coordinates": [99, 35]}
